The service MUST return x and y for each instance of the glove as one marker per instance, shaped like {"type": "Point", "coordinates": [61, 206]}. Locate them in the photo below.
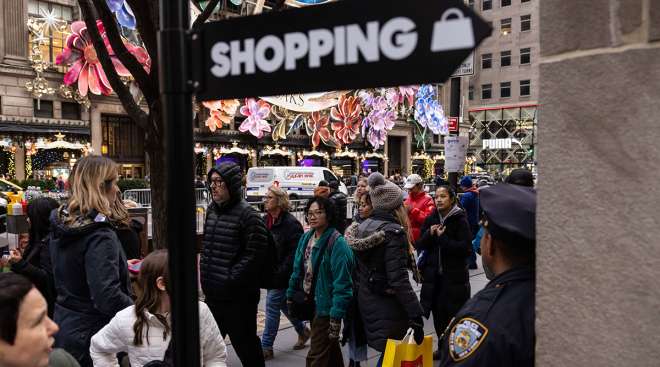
{"type": "Point", "coordinates": [418, 329]}
{"type": "Point", "coordinates": [334, 329]}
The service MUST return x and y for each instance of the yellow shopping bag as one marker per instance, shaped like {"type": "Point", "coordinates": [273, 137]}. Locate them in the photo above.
{"type": "Point", "coordinates": [406, 353]}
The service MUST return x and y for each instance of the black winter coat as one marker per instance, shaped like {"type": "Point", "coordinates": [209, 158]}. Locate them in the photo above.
{"type": "Point", "coordinates": [235, 243]}
{"type": "Point", "coordinates": [91, 279]}
{"type": "Point", "coordinates": [36, 266]}
{"type": "Point", "coordinates": [386, 299]}
{"type": "Point", "coordinates": [341, 201]}
{"type": "Point", "coordinates": [452, 247]}
{"type": "Point", "coordinates": [286, 232]}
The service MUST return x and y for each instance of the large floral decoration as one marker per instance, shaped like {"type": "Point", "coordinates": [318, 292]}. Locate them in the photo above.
{"type": "Point", "coordinates": [222, 112]}
{"type": "Point", "coordinates": [429, 112]}
{"type": "Point", "coordinates": [380, 119]}
{"type": "Point", "coordinates": [346, 119]}
{"type": "Point", "coordinates": [86, 68]}
{"type": "Point", "coordinates": [317, 127]}
{"type": "Point", "coordinates": [123, 12]}
{"type": "Point", "coordinates": [256, 112]}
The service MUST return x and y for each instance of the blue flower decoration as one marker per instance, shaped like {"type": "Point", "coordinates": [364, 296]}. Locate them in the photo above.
{"type": "Point", "coordinates": [123, 12]}
{"type": "Point", "coordinates": [429, 112]}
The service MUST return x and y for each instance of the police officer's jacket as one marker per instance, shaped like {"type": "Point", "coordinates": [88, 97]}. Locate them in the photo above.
{"type": "Point", "coordinates": [496, 326]}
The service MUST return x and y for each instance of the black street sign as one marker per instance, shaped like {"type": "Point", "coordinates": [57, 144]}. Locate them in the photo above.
{"type": "Point", "coordinates": [342, 45]}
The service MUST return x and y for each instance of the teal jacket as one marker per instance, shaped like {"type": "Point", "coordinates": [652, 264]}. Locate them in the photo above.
{"type": "Point", "coordinates": [334, 285]}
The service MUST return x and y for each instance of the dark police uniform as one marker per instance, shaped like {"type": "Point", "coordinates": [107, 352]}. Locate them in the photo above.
{"type": "Point", "coordinates": [496, 326]}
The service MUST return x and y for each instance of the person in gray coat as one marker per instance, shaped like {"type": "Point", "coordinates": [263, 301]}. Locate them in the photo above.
{"type": "Point", "coordinates": [386, 300]}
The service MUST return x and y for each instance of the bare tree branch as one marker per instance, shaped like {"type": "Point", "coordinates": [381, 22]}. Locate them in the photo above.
{"type": "Point", "coordinates": [205, 14]}
{"type": "Point", "coordinates": [147, 27]}
{"type": "Point", "coordinates": [127, 59]}
{"type": "Point", "coordinates": [137, 114]}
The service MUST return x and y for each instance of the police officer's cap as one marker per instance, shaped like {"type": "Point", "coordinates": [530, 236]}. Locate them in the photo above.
{"type": "Point", "coordinates": [510, 211]}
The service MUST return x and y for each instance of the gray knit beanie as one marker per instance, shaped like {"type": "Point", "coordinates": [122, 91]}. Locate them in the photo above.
{"type": "Point", "coordinates": [384, 194]}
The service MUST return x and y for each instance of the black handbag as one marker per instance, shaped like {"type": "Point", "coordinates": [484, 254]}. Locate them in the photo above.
{"type": "Point", "coordinates": [303, 305]}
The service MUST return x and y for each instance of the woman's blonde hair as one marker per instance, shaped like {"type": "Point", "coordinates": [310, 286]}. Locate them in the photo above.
{"type": "Point", "coordinates": [92, 177]}
{"type": "Point", "coordinates": [282, 198]}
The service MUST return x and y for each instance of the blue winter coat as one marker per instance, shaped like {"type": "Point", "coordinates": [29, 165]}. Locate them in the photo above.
{"type": "Point", "coordinates": [470, 202]}
{"type": "Point", "coordinates": [91, 279]}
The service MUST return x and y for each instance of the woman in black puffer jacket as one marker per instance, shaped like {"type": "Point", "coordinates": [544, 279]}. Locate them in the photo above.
{"type": "Point", "coordinates": [386, 300]}
{"type": "Point", "coordinates": [445, 243]}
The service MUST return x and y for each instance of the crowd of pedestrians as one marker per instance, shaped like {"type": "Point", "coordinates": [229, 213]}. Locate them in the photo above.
{"type": "Point", "coordinates": [79, 295]}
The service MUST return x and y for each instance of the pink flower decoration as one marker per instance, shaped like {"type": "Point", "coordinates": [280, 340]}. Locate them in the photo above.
{"type": "Point", "coordinates": [256, 113]}
{"type": "Point", "coordinates": [222, 112]}
{"type": "Point", "coordinates": [318, 125]}
{"type": "Point", "coordinates": [85, 68]}
{"type": "Point", "coordinates": [408, 94]}
{"type": "Point", "coordinates": [346, 116]}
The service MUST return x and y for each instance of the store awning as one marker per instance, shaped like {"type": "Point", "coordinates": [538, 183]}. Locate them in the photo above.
{"type": "Point", "coordinates": [15, 128]}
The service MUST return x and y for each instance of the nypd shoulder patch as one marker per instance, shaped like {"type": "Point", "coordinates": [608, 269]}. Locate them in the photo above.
{"type": "Point", "coordinates": [465, 338]}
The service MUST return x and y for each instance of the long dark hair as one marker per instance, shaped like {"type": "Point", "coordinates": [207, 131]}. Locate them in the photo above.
{"type": "Point", "coordinates": [153, 266]}
{"type": "Point", "coordinates": [38, 212]}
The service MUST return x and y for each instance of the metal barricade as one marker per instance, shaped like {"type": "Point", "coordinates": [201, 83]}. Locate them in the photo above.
{"type": "Point", "coordinates": [140, 196]}
{"type": "Point", "coordinates": [202, 197]}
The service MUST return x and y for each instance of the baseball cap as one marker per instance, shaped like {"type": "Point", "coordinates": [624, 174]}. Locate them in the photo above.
{"type": "Point", "coordinates": [412, 180]}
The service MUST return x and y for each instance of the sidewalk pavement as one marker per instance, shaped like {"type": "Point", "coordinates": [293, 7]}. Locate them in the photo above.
{"type": "Point", "coordinates": [285, 356]}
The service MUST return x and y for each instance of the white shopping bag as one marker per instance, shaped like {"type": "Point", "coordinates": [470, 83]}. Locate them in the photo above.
{"type": "Point", "coordinates": [452, 34]}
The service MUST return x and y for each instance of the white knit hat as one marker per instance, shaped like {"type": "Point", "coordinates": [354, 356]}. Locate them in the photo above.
{"type": "Point", "coordinates": [384, 194]}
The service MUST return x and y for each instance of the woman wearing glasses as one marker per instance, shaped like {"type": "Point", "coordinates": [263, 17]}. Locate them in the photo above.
{"type": "Point", "coordinates": [320, 287]}
{"type": "Point", "coordinates": [286, 231]}
{"type": "Point", "coordinates": [89, 265]}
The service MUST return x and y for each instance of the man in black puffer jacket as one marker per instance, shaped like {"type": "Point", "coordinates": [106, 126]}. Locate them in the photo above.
{"type": "Point", "coordinates": [341, 201]}
{"type": "Point", "coordinates": [235, 246]}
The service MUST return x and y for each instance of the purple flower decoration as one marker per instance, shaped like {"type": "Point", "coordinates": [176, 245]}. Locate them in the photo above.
{"type": "Point", "coordinates": [256, 113]}
{"type": "Point", "coordinates": [123, 12]}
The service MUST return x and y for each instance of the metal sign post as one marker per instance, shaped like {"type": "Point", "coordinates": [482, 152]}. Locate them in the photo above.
{"type": "Point", "coordinates": [176, 99]}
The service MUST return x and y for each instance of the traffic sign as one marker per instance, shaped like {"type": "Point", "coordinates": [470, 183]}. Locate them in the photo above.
{"type": "Point", "coordinates": [341, 45]}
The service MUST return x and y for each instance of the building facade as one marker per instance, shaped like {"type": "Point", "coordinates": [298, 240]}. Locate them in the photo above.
{"type": "Point", "coordinates": [500, 100]}
{"type": "Point", "coordinates": [45, 127]}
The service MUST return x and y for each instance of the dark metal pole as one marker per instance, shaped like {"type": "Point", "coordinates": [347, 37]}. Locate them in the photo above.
{"type": "Point", "coordinates": [455, 111]}
{"type": "Point", "coordinates": [176, 99]}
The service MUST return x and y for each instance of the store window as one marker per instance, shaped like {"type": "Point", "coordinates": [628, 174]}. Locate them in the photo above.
{"type": "Point", "coordinates": [486, 91]}
{"type": "Point", "coordinates": [504, 3]}
{"type": "Point", "coordinates": [525, 23]}
{"type": "Point", "coordinates": [56, 39]}
{"type": "Point", "coordinates": [43, 108]}
{"type": "Point", "coordinates": [525, 88]}
{"type": "Point", "coordinates": [486, 61]}
{"type": "Point", "coordinates": [505, 89]}
{"type": "Point", "coordinates": [505, 26]}
{"type": "Point", "coordinates": [525, 56]}
{"type": "Point", "coordinates": [70, 111]}
{"type": "Point", "coordinates": [486, 5]}
{"type": "Point", "coordinates": [505, 58]}
{"type": "Point", "coordinates": [123, 140]}
{"type": "Point", "coordinates": [471, 92]}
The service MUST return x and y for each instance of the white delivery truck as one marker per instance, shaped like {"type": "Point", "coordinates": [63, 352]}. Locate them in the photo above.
{"type": "Point", "coordinates": [299, 182]}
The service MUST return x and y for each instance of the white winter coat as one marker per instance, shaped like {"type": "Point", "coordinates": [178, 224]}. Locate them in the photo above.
{"type": "Point", "coordinates": [118, 335]}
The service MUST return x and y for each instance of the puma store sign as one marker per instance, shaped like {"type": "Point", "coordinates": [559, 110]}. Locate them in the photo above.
{"type": "Point", "coordinates": [343, 45]}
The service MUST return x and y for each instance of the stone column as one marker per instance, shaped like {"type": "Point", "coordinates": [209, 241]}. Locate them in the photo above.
{"type": "Point", "coordinates": [597, 296]}
{"type": "Point", "coordinates": [96, 129]}
{"type": "Point", "coordinates": [19, 163]}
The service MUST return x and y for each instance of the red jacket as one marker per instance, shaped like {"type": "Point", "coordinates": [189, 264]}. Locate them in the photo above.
{"type": "Point", "coordinates": [421, 206]}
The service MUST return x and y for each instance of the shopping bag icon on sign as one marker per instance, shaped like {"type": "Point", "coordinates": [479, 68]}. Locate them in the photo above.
{"type": "Point", "coordinates": [452, 34]}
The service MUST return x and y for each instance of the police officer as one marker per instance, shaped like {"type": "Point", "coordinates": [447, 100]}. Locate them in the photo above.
{"type": "Point", "coordinates": [496, 326]}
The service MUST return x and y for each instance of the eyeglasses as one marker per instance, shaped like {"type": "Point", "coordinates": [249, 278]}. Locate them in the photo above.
{"type": "Point", "coordinates": [315, 214]}
{"type": "Point", "coordinates": [215, 182]}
